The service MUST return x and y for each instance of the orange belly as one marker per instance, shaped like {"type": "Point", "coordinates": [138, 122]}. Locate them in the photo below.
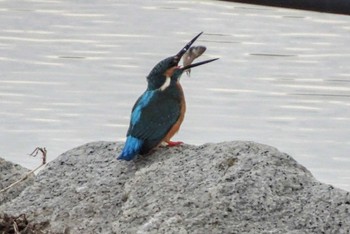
{"type": "Point", "coordinates": [178, 123]}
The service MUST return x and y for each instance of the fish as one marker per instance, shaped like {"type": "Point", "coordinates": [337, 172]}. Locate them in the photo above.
{"type": "Point", "coordinates": [190, 55]}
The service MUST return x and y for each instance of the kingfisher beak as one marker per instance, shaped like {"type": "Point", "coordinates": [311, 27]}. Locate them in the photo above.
{"type": "Point", "coordinates": [179, 55]}
{"type": "Point", "coordinates": [198, 64]}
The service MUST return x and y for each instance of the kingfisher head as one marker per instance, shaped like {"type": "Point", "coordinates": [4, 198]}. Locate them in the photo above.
{"type": "Point", "coordinates": [168, 68]}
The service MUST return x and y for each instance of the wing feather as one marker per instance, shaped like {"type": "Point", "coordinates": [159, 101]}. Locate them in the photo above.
{"type": "Point", "coordinates": [152, 121]}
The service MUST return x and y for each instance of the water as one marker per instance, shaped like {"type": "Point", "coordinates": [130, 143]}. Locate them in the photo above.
{"type": "Point", "coordinates": [70, 72]}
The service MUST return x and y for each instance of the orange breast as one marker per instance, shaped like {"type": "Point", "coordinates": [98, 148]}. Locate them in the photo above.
{"type": "Point", "coordinates": [177, 125]}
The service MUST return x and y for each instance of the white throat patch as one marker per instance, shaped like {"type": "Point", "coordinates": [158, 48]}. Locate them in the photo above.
{"type": "Point", "coordinates": [166, 84]}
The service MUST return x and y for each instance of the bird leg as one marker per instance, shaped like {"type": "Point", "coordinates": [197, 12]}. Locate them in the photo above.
{"type": "Point", "coordinates": [174, 143]}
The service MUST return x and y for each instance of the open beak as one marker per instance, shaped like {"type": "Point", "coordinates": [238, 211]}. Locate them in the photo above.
{"type": "Point", "coordinates": [179, 55]}
{"type": "Point", "coordinates": [198, 64]}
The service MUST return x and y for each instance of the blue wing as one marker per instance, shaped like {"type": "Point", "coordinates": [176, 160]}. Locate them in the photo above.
{"type": "Point", "coordinates": [152, 117]}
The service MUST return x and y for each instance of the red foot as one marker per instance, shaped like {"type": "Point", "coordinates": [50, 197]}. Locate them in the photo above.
{"type": "Point", "coordinates": [174, 143]}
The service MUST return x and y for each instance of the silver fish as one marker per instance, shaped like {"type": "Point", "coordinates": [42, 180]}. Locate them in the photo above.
{"type": "Point", "coordinates": [191, 54]}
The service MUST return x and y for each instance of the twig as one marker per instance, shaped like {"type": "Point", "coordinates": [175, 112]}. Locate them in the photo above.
{"type": "Point", "coordinates": [43, 151]}
{"type": "Point", "coordinates": [15, 227]}
{"type": "Point", "coordinates": [34, 153]}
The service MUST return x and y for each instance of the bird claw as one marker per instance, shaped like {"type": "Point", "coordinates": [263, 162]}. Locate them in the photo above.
{"type": "Point", "coordinates": [174, 143]}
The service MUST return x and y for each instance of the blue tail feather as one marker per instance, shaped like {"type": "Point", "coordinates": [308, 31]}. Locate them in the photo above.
{"type": "Point", "coordinates": [131, 148]}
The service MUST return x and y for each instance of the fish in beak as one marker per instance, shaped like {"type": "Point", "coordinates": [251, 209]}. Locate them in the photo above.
{"type": "Point", "coordinates": [190, 55]}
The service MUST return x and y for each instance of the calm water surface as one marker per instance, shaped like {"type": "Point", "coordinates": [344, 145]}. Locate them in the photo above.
{"type": "Point", "coordinates": [71, 70]}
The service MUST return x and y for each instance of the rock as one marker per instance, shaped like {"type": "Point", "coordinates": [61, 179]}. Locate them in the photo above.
{"type": "Point", "coordinates": [232, 187]}
{"type": "Point", "coordinates": [10, 173]}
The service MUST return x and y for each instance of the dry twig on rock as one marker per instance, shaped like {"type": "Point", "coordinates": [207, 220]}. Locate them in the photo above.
{"type": "Point", "coordinates": [34, 153]}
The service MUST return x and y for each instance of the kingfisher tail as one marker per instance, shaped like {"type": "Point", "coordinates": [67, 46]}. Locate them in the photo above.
{"type": "Point", "coordinates": [131, 148]}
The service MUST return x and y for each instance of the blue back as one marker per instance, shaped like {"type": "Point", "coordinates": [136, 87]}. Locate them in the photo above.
{"type": "Point", "coordinates": [154, 113]}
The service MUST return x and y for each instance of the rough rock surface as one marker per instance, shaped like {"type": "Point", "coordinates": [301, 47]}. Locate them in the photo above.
{"type": "Point", "coordinates": [10, 173]}
{"type": "Point", "coordinates": [232, 187]}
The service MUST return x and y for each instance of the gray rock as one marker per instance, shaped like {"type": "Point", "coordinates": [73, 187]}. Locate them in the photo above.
{"type": "Point", "coordinates": [232, 187]}
{"type": "Point", "coordinates": [10, 173]}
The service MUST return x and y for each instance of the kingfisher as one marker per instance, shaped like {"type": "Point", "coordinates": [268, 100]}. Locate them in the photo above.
{"type": "Point", "coordinates": [158, 113]}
